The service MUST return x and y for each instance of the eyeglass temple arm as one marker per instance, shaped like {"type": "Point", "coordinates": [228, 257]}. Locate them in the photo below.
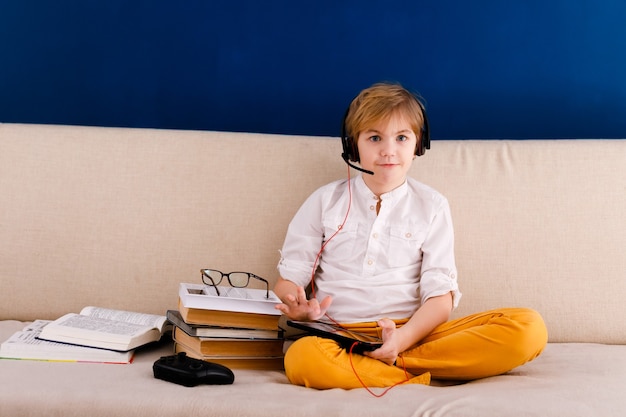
{"type": "Point", "coordinates": [267, 284]}
{"type": "Point", "coordinates": [212, 282]}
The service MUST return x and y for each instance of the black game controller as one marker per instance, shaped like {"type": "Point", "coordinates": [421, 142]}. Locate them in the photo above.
{"type": "Point", "coordinates": [183, 370]}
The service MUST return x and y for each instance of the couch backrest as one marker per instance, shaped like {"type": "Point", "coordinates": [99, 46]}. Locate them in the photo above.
{"type": "Point", "coordinates": [119, 217]}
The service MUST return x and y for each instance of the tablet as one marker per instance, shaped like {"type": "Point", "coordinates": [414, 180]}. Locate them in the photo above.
{"type": "Point", "coordinates": [346, 338]}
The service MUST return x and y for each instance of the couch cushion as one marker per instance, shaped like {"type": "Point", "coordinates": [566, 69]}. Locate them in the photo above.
{"type": "Point", "coordinates": [566, 380]}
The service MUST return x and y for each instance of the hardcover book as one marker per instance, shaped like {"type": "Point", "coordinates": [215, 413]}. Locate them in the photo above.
{"type": "Point", "coordinates": [209, 346]}
{"type": "Point", "coordinates": [258, 363]}
{"type": "Point", "coordinates": [106, 328]}
{"type": "Point", "coordinates": [201, 330]}
{"type": "Point", "coordinates": [201, 316]}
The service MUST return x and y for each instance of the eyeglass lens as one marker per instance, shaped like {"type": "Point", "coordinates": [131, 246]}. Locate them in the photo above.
{"type": "Point", "coordinates": [236, 279]}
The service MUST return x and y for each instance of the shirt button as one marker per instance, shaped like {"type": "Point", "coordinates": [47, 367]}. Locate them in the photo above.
{"type": "Point", "coordinates": [408, 235]}
{"type": "Point", "coordinates": [370, 262]}
{"type": "Point", "coordinates": [372, 207]}
{"type": "Point", "coordinates": [375, 235]}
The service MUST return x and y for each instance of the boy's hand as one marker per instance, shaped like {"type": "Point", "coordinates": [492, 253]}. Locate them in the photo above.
{"type": "Point", "coordinates": [297, 307]}
{"type": "Point", "coordinates": [389, 351]}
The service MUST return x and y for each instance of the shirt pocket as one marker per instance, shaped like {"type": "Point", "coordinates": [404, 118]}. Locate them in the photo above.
{"type": "Point", "coordinates": [342, 238]}
{"type": "Point", "coordinates": [405, 245]}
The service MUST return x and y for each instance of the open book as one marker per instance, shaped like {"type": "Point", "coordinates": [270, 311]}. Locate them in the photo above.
{"type": "Point", "coordinates": [25, 345]}
{"type": "Point", "coordinates": [106, 328]}
{"type": "Point", "coordinates": [240, 300]}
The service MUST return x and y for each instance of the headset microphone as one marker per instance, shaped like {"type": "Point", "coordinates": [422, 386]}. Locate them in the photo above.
{"type": "Point", "coordinates": [347, 159]}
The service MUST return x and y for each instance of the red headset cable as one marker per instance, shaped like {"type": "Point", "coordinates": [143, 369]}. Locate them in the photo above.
{"type": "Point", "coordinates": [317, 257]}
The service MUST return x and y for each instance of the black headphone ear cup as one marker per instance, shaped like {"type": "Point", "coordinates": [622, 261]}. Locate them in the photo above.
{"type": "Point", "coordinates": [350, 150]}
{"type": "Point", "coordinates": [354, 154]}
{"type": "Point", "coordinates": [420, 149]}
{"type": "Point", "coordinates": [424, 139]}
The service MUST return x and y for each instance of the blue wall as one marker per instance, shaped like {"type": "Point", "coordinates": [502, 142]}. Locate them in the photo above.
{"type": "Point", "coordinates": [487, 68]}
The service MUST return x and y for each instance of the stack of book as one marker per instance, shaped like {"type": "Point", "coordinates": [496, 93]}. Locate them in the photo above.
{"type": "Point", "coordinates": [239, 328]}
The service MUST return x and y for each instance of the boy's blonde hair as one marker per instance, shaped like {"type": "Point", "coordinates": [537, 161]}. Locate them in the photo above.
{"type": "Point", "coordinates": [378, 103]}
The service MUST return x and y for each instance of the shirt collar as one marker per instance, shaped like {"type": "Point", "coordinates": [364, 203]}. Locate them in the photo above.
{"type": "Point", "coordinates": [364, 192]}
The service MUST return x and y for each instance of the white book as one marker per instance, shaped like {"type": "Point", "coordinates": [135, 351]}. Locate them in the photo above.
{"type": "Point", "coordinates": [106, 328]}
{"type": "Point", "coordinates": [242, 300]}
{"type": "Point", "coordinates": [25, 344]}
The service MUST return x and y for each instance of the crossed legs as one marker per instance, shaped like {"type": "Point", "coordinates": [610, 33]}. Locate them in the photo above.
{"type": "Point", "coordinates": [472, 347]}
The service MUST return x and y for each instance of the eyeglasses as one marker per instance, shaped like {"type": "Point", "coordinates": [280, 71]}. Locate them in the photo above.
{"type": "Point", "coordinates": [235, 279]}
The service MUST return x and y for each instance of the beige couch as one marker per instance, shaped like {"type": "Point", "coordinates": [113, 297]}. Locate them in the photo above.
{"type": "Point", "coordinates": [119, 217]}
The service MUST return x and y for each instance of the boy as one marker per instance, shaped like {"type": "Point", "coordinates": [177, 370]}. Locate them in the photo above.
{"type": "Point", "coordinates": [379, 250]}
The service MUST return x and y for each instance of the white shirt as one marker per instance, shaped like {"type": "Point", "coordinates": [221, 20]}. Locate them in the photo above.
{"type": "Point", "coordinates": [376, 266]}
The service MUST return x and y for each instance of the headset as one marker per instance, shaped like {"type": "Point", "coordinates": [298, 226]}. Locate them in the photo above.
{"type": "Point", "coordinates": [351, 151]}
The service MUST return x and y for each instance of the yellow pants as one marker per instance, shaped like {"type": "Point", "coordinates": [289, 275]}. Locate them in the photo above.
{"type": "Point", "coordinates": [476, 346]}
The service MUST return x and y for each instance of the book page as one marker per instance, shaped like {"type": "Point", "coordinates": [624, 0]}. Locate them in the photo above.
{"type": "Point", "coordinates": [240, 293]}
{"type": "Point", "coordinates": [25, 344]}
{"type": "Point", "coordinates": [151, 320]}
{"type": "Point", "coordinates": [29, 336]}
{"type": "Point", "coordinates": [99, 325]}
{"type": "Point", "coordinates": [244, 300]}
